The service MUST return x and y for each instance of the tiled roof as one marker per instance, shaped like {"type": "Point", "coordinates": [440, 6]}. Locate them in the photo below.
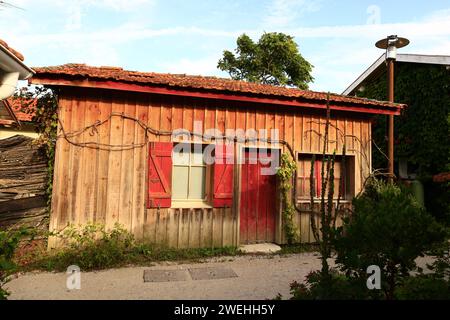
{"type": "Point", "coordinates": [182, 81]}
{"type": "Point", "coordinates": [7, 116]}
{"type": "Point", "coordinates": [442, 177]}
{"type": "Point", "coordinates": [24, 109]}
{"type": "Point", "coordinates": [14, 52]}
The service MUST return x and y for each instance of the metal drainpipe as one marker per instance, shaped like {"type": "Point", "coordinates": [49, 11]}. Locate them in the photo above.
{"type": "Point", "coordinates": [390, 67]}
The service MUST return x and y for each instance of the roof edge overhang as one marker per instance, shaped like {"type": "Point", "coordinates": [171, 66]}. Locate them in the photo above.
{"type": "Point", "coordinates": [215, 95]}
{"type": "Point", "coordinates": [402, 58]}
{"type": "Point", "coordinates": [356, 84]}
{"type": "Point", "coordinates": [14, 64]}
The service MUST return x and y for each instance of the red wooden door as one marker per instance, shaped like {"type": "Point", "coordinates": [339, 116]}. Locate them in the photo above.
{"type": "Point", "coordinates": [257, 207]}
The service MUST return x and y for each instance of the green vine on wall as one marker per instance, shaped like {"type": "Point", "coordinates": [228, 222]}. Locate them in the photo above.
{"type": "Point", "coordinates": [285, 173]}
{"type": "Point", "coordinates": [42, 103]}
{"type": "Point", "coordinates": [422, 132]}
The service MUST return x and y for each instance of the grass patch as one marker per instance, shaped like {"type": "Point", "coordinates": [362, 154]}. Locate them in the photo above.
{"type": "Point", "coordinates": [298, 248]}
{"type": "Point", "coordinates": [102, 256]}
{"type": "Point", "coordinates": [92, 248]}
{"type": "Point", "coordinates": [95, 249]}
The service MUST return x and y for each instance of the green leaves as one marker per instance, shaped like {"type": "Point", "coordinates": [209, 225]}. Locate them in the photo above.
{"type": "Point", "coordinates": [422, 133]}
{"type": "Point", "coordinates": [285, 173]}
{"type": "Point", "coordinates": [274, 60]}
{"type": "Point", "coordinates": [9, 240]}
{"type": "Point", "coordinates": [389, 229]}
{"type": "Point", "coordinates": [46, 124]}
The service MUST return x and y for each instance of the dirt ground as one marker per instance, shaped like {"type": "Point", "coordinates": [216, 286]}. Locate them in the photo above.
{"type": "Point", "coordinates": [259, 277]}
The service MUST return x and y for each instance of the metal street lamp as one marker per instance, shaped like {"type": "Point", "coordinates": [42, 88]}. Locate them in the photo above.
{"type": "Point", "coordinates": [390, 44]}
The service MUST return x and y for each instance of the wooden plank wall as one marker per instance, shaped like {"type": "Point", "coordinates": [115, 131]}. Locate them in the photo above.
{"type": "Point", "coordinates": [110, 186]}
{"type": "Point", "coordinates": [23, 177]}
{"type": "Point", "coordinates": [191, 228]}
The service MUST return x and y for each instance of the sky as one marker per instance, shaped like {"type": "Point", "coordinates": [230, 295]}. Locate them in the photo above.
{"type": "Point", "coordinates": [189, 36]}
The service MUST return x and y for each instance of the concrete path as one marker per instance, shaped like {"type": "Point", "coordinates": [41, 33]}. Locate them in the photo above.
{"type": "Point", "coordinates": [258, 277]}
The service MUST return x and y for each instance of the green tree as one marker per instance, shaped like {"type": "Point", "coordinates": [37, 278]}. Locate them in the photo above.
{"type": "Point", "coordinates": [274, 59]}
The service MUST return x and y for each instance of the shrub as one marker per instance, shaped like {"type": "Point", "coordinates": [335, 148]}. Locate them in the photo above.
{"type": "Point", "coordinates": [441, 266]}
{"type": "Point", "coordinates": [9, 241]}
{"type": "Point", "coordinates": [339, 287]}
{"type": "Point", "coordinates": [424, 287]}
{"type": "Point", "coordinates": [431, 286]}
{"type": "Point", "coordinates": [388, 228]}
{"type": "Point", "coordinates": [92, 248]}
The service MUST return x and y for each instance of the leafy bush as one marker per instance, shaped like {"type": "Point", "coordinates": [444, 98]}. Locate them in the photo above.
{"type": "Point", "coordinates": [441, 266]}
{"type": "Point", "coordinates": [338, 287]}
{"type": "Point", "coordinates": [9, 241]}
{"type": "Point", "coordinates": [431, 286]}
{"type": "Point", "coordinates": [93, 248]}
{"type": "Point", "coordinates": [424, 287]}
{"type": "Point", "coordinates": [389, 229]}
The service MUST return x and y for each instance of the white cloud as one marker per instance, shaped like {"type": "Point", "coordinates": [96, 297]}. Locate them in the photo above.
{"type": "Point", "coordinates": [340, 53]}
{"type": "Point", "coordinates": [202, 66]}
{"type": "Point", "coordinates": [117, 5]}
{"type": "Point", "coordinates": [282, 13]}
{"type": "Point", "coordinates": [73, 17]}
{"type": "Point", "coordinates": [131, 31]}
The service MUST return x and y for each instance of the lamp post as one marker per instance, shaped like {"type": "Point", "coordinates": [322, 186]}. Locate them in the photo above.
{"type": "Point", "coordinates": [390, 44]}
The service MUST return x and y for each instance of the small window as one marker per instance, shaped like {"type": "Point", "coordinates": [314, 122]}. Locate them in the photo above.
{"type": "Point", "coordinates": [189, 173]}
{"type": "Point", "coordinates": [304, 177]}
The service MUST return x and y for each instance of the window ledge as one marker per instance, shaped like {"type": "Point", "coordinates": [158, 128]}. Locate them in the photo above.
{"type": "Point", "coordinates": [190, 205]}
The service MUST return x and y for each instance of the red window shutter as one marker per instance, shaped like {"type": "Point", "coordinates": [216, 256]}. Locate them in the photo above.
{"type": "Point", "coordinates": [223, 176]}
{"type": "Point", "coordinates": [160, 175]}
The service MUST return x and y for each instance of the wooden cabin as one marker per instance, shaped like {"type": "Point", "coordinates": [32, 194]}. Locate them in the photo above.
{"type": "Point", "coordinates": [130, 146]}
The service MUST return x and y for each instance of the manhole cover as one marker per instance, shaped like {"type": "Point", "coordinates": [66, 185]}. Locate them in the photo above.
{"type": "Point", "coordinates": [165, 275]}
{"type": "Point", "coordinates": [212, 273]}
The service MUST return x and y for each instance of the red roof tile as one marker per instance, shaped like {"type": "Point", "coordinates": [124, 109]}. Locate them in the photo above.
{"type": "Point", "coordinates": [442, 177]}
{"type": "Point", "coordinates": [24, 109]}
{"type": "Point", "coordinates": [14, 52]}
{"type": "Point", "coordinates": [82, 71]}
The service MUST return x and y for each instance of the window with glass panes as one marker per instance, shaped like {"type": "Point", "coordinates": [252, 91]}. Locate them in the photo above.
{"type": "Point", "coordinates": [189, 173]}
{"type": "Point", "coordinates": [341, 168]}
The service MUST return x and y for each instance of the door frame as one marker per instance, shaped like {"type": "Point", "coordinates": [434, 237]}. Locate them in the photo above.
{"type": "Point", "coordinates": [239, 154]}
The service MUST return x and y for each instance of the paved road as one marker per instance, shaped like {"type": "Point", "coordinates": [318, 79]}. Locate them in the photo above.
{"type": "Point", "coordinates": [258, 277]}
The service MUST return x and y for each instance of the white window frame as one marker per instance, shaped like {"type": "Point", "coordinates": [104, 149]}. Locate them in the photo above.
{"type": "Point", "coordinates": [201, 202]}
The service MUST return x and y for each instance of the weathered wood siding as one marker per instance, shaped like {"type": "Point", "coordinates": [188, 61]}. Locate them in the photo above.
{"type": "Point", "coordinates": [23, 177]}
{"type": "Point", "coordinates": [110, 186]}
{"type": "Point", "coordinates": [191, 228]}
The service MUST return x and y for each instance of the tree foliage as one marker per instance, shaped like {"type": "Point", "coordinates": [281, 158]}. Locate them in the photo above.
{"type": "Point", "coordinates": [389, 229]}
{"type": "Point", "coordinates": [274, 59]}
